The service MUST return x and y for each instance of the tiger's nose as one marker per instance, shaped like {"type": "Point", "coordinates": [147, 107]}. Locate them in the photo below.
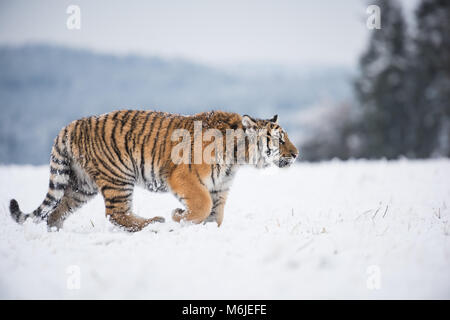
{"type": "Point", "coordinates": [294, 155]}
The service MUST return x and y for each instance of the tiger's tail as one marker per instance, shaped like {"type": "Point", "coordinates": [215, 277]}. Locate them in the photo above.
{"type": "Point", "coordinates": [59, 180]}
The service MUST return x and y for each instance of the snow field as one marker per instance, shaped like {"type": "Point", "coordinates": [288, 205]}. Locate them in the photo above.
{"type": "Point", "coordinates": [355, 229]}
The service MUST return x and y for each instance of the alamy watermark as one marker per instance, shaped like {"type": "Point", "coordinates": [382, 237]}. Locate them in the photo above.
{"type": "Point", "coordinates": [73, 21]}
{"type": "Point", "coordinates": [374, 19]}
{"type": "Point", "coordinates": [237, 147]}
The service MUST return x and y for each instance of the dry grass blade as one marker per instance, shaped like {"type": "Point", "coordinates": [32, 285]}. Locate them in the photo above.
{"type": "Point", "coordinates": [385, 211]}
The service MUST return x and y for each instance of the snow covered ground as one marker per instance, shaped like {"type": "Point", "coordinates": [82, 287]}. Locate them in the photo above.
{"type": "Point", "coordinates": [356, 229]}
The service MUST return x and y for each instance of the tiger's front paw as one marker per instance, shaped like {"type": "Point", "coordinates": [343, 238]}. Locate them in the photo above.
{"type": "Point", "coordinates": [177, 214]}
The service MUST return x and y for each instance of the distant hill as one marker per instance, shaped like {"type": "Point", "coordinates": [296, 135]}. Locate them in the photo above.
{"type": "Point", "coordinates": [43, 87]}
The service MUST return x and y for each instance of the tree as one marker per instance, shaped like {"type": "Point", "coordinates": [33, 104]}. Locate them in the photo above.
{"type": "Point", "coordinates": [430, 91]}
{"type": "Point", "coordinates": [382, 86]}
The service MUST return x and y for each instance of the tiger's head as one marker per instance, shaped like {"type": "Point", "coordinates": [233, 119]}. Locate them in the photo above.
{"type": "Point", "coordinates": [274, 146]}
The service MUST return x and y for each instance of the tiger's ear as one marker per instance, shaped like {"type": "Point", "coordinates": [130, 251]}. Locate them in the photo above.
{"type": "Point", "coordinates": [274, 119]}
{"type": "Point", "coordinates": [248, 122]}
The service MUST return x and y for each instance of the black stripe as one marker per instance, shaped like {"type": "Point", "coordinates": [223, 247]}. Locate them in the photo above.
{"type": "Point", "coordinates": [218, 167]}
{"type": "Point", "coordinates": [51, 198]}
{"type": "Point", "coordinates": [51, 203]}
{"type": "Point", "coordinates": [212, 175]}
{"type": "Point", "coordinates": [58, 150]}
{"type": "Point", "coordinates": [103, 135]}
{"type": "Point", "coordinates": [119, 199]}
{"type": "Point", "coordinates": [57, 186]}
{"type": "Point", "coordinates": [137, 139]}
{"type": "Point", "coordinates": [154, 149]}
{"type": "Point", "coordinates": [103, 163]}
{"type": "Point", "coordinates": [190, 127]}
{"type": "Point", "coordinates": [113, 179]}
{"type": "Point", "coordinates": [143, 128]}
{"type": "Point", "coordinates": [105, 175]}
{"type": "Point", "coordinates": [133, 120]}
{"type": "Point", "coordinates": [127, 139]}
{"type": "Point", "coordinates": [64, 136]}
{"type": "Point", "coordinates": [78, 133]}
{"type": "Point", "coordinates": [59, 171]}
{"type": "Point", "coordinates": [144, 142]}
{"type": "Point", "coordinates": [109, 169]}
{"type": "Point", "coordinates": [89, 142]}
{"type": "Point", "coordinates": [86, 137]}
{"type": "Point", "coordinates": [115, 211]}
{"type": "Point", "coordinates": [37, 212]}
{"type": "Point", "coordinates": [106, 151]}
{"type": "Point", "coordinates": [77, 200]}
{"type": "Point", "coordinates": [127, 149]}
{"type": "Point", "coordinates": [58, 161]}
{"type": "Point", "coordinates": [216, 204]}
{"type": "Point", "coordinates": [116, 188]}
{"type": "Point", "coordinates": [85, 193]}
{"type": "Point", "coordinates": [219, 191]}
{"type": "Point", "coordinates": [115, 148]}
{"type": "Point", "coordinates": [228, 170]}
{"type": "Point", "coordinates": [124, 119]}
{"type": "Point", "coordinates": [101, 144]}
{"type": "Point", "coordinates": [73, 134]}
{"type": "Point", "coordinates": [47, 203]}
{"type": "Point", "coordinates": [199, 179]}
{"type": "Point", "coordinates": [163, 145]}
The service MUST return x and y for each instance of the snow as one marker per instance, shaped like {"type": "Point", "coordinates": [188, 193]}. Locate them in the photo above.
{"type": "Point", "coordinates": [355, 229]}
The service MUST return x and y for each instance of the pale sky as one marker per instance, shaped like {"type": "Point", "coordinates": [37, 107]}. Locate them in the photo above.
{"type": "Point", "coordinates": [288, 32]}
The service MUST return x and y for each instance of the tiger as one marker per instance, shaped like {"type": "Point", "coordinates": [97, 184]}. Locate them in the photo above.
{"type": "Point", "coordinates": [112, 153]}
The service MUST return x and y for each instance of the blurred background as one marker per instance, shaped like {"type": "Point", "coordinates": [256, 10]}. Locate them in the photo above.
{"type": "Point", "coordinates": [341, 90]}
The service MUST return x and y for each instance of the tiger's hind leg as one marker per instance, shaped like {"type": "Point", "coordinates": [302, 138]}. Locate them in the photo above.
{"type": "Point", "coordinates": [118, 204]}
{"type": "Point", "coordinates": [71, 201]}
{"type": "Point", "coordinates": [80, 189]}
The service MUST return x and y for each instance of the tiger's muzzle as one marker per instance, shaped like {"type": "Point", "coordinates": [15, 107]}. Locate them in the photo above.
{"type": "Point", "coordinates": [284, 162]}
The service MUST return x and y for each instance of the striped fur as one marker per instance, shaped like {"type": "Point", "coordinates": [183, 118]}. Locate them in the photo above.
{"type": "Point", "coordinates": [111, 153]}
